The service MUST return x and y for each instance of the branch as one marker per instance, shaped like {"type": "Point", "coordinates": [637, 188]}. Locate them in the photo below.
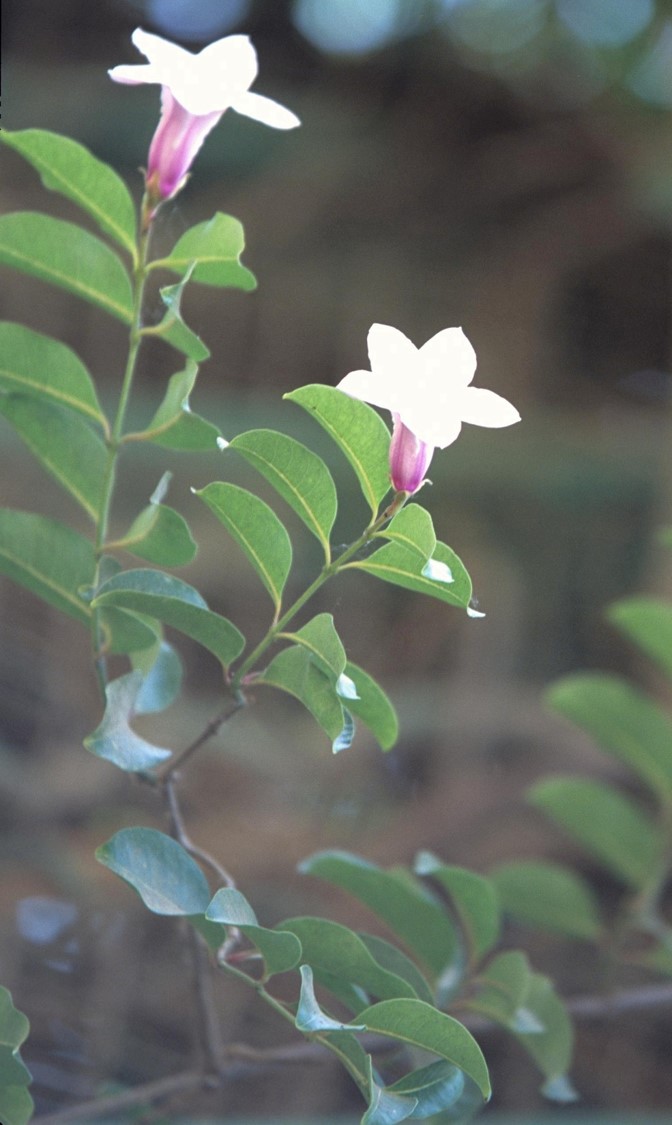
{"type": "Point", "coordinates": [139, 1095]}
{"type": "Point", "coordinates": [208, 731]}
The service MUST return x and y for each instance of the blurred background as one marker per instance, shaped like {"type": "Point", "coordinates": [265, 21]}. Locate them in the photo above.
{"type": "Point", "coordinates": [503, 165]}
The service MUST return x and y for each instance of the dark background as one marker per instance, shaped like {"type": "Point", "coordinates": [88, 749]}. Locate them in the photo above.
{"type": "Point", "coordinates": [499, 164]}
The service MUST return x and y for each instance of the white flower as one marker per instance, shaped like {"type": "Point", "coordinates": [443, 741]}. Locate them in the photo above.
{"type": "Point", "coordinates": [195, 91]}
{"type": "Point", "coordinates": [428, 392]}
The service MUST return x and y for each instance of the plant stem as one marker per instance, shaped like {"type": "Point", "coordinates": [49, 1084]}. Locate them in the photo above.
{"type": "Point", "coordinates": [328, 571]}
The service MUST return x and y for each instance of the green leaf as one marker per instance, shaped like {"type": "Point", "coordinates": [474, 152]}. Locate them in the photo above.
{"type": "Point", "coordinates": [607, 824]}
{"type": "Point", "coordinates": [623, 720]}
{"type": "Point", "coordinates": [297, 474]}
{"type": "Point", "coordinates": [257, 531]}
{"type": "Point", "coordinates": [215, 247]}
{"type": "Point", "coordinates": [63, 443]}
{"type": "Point", "coordinates": [372, 706]}
{"type": "Point", "coordinates": [160, 535]}
{"type": "Point", "coordinates": [473, 898]}
{"type": "Point", "coordinates": [63, 254]}
{"type": "Point", "coordinates": [47, 558]}
{"type": "Point", "coordinates": [547, 895]}
{"type": "Point", "coordinates": [435, 1088]}
{"type": "Point", "coordinates": [174, 426]}
{"type": "Point", "coordinates": [161, 669]}
{"type": "Point", "coordinates": [358, 431]}
{"type": "Point", "coordinates": [293, 671]}
{"type": "Point", "coordinates": [447, 579]}
{"type": "Point", "coordinates": [413, 528]}
{"type": "Point", "coordinates": [552, 1047]}
{"type": "Point", "coordinates": [502, 989]}
{"type": "Point", "coordinates": [648, 622]}
{"type": "Point", "coordinates": [390, 957]}
{"type": "Point", "coordinates": [309, 1014]}
{"type": "Point", "coordinates": [127, 632]}
{"type": "Point", "coordinates": [165, 876]}
{"type": "Point", "coordinates": [14, 1026]}
{"type": "Point", "coordinates": [69, 168]}
{"type": "Point", "coordinates": [172, 328]}
{"type": "Point", "coordinates": [113, 739]}
{"type": "Point", "coordinates": [16, 1105]}
{"type": "Point", "coordinates": [385, 1107]}
{"type": "Point", "coordinates": [342, 953]}
{"type": "Point", "coordinates": [412, 913]}
{"type": "Point", "coordinates": [177, 604]}
{"type": "Point", "coordinates": [421, 1025]}
{"type": "Point", "coordinates": [38, 365]}
{"type": "Point", "coordinates": [280, 949]}
{"type": "Point", "coordinates": [320, 639]}
{"type": "Point", "coordinates": [13, 1071]}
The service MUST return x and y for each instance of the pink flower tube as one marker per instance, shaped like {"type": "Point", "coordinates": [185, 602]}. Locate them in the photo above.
{"type": "Point", "coordinates": [195, 91]}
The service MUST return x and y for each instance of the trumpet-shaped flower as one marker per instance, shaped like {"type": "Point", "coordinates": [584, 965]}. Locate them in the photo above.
{"type": "Point", "coordinates": [428, 392]}
{"type": "Point", "coordinates": [195, 91]}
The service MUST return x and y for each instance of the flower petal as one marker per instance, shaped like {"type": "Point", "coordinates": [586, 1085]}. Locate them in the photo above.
{"type": "Point", "coordinates": [391, 353]}
{"type": "Point", "coordinates": [133, 75]}
{"type": "Point", "coordinates": [448, 356]}
{"type": "Point", "coordinates": [266, 110]}
{"type": "Point", "coordinates": [369, 387]}
{"type": "Point", "coordinates": [162, 54]}
{"type": "Point", "coordinates": [432, 423]}
{"type": "Point", "coordinates": [481, 407]}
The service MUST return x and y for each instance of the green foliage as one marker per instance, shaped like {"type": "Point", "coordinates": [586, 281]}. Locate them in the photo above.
{"type": "Point", "coordinates": [257, 531]}
{"type": "Point", "coordinates": [175, 603]}
{"type": "Point", "coordinates": [310, 1016]}
{"type": "Point", "coordinates": [114, 740]}
{"type": "Point", "coordinates": [434, 1088]}
{"type": "Point", "coordinates": [647, 622]}
{"type": "Point", "coordinates": [31, 363]}
{"type": "Point", "coordinates": [372, 706]}
{"type": "Point", "coordinates": [161, 670]}
{"type": "Point", "coordinates": [413, 528]}
{"type": "Point", "coordinates": [357, 430]}
{"type": "Point", "coordinates": [48, 558]}
{"type": "Point", "coordinates": [294, 671]}
{"type": "Point", "coordinates": [67, 167]}
{"type": "Point", "coordinates": [165, 876]}
{"type": "Point", "coordinates": [213, 249]}
{"type": "Point", "coordinates": [159, 534]}
{"type": "Point", "coordinates": [443, 576]}
{"type": "Point", "coordinates": [548, 895]}
{"type": "Point", "coordinates": [174, 426]}
{"type": "Point", "coordinates": [65, 255]}
{"type": "Point", "coordinates": [16, 1104]}
{"type": "Point", "coordinates": [472, 897]}
{"type": "Point", "coordinates": [63, 443]}
{"type": "Point", "coordinates": [172, 328]}
{"type": "Point", "coordinates": [609, 825]}
{"type": "Point", "coordinates": [297, 474]}
{"type": "Point", "coordinates": [280, 949]}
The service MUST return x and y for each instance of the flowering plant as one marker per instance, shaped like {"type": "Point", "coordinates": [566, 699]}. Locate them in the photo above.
{"type": "Point", "coordinates": [346, 992]}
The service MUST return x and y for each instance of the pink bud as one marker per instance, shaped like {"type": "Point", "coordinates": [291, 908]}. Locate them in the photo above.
{"type": "Point", "coordinates": [409, 458]}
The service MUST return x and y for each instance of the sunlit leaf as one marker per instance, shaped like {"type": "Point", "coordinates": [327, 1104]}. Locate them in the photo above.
{"type": "Point", "coordinates": [501, 989]}
{"type": "Point", "coordinates": [39, 365]}
{"type": "Point", "coordinates": [280, 949]}
{"type": "Point", "coordinates": [215, 247]}
{"type": "Point", "coordinates": [608, 824]}
{"type": "Point", "coordinates": [165, 876]}
{"type": "Point", "coordinates": [320, 639]}
{"type": "Point", "coordinates": [390, 957]}
{"type": "Point", "coordinates": [69, 168]}
{"type": "Point", "coordinates": [48, 558]}
{"type": "Point", "coordinates": [413, 528]}
{"type": "Point", "coordinates": [412, 913]}
{"type": "Point", "coordinates": [648, 622]}
{"type": "Point", "coordinates": [448, 580]}
{"type": "Point", "coordinates": [420, 1025]}
{"type": "Point", "coordinates": [293, 671]}
{"type": "Point", "coordinates": [160, 535]}
{"type": "Point", "coordinates": [63, 443]}
{"type": "Point", "coordinates": [114, 740]}
{"type": "Point", "coordinates": [359, 432]}
{"type": "Point", "coordinates": [257, 531]}
{"type": "Point", "coordinates": [297, 474]}
{"type": "Point", "coordinates": [372, 706]}
{"type": "Point", "coordinates": [124, 632]}
{"type": "Point", "coordinates": [63, 254]}
{"type": "Point", "coordinates": [175, 603]}
{"type": "Point", "coordinates": [174, 426]}
{"type": "Point", "coordinates": [623, 720]}
{"type": "Point", "coordinates": [547, 895]}
{"type": "Point", "coordinates": [473, 898]}
{"type": "Point", "coordinates": [161, 670]}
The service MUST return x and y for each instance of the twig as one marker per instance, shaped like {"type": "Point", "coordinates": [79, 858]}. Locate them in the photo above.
{"type": "Point", "coordinates": [148, 1092]}
{"type": "Point", "coordinates": [208, 731]}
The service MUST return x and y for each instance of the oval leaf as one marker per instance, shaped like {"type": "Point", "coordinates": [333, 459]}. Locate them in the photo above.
{"type": "Point", "coordinates": [174, 426]}
{"type": "Point", "coordinates": [177, 604]}
{"type": "Point", "coordinates": [257, 531]}
{"type": "Point", "coordinates": [293, 671]}
{"type": "Point", "coordinates": [358, 431]}
{"type": "Point", "coordinates": [419, 1024]}
{"type": "Point", "coordinates": [435, 1088]}
{"type": "Point", "coordinates": [297, 474]}
{"type": "Point", "coordinates": [413, 528]}
{"type": "Point", "coordinates": [473, 898]}
{"type": "Point", "coordinates": [159, 535]}
{"type": "Point", "coordinates": [47, 558]}
{"type": "Point", "coordinates": [38, 365]}
{"type": "Point", "coordinates": [161, 670]}
{"type": "Point", "coordinates": [69, 168]}
{"type": "Point", "coordinates": [548, 895]}
{"type": "Point", "coordinates": [648, 622]}
{"type": "Point", "coordinates": [213, 248]}
{"type": "Point", "coordinates": [320, 639]}
{"type": "Point", "coordinates": [280, 950]}
{"type": "Point", "coordinates": [448, 580]}
{"type": "Point", "coordinates": [165, 876]}
{"type": "Point", "coordinates": [607, 823]}
{"type": "Point", "coordinates": [114, 740]}
{"type": "Point", "coordinates": [63, 443]}
{"type": "Point", "coordinates": [63, 254]}
{"type": "Point", "coordinates": [372, 706]}
{"type": "Point", "coordinates": [172, 328]}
